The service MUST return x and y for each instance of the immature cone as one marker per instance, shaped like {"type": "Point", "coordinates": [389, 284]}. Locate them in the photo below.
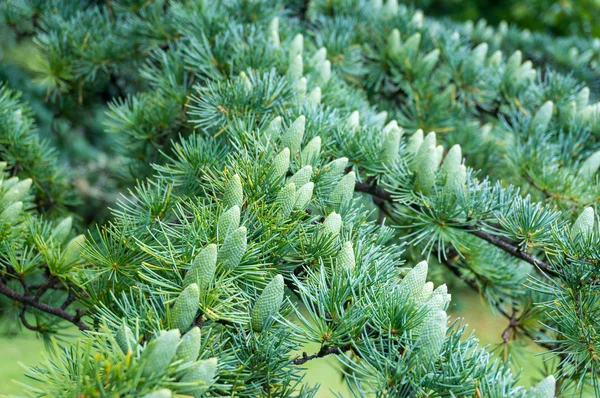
{"type": "Point", "coordinates": [274, 32]}
{"type": "Point", "coordinates": [426, 165]}
{"type": "Point", "coordinates": [285, 201]}
{"type": "Point", "coordinates": [160, 352]}
{"type": "Point", "coordinates": [343, 191]}
{"type": "Point", "coordinates": [431, 340]}
{"type": "Point", "coordinates": [296, 67]}
{"type": "Point", "coordinates": [394, 44]}
{"type": "Point", "coordinates": [319, 56]}
{"type": "Point", "coordinates": [228, 222]}
{"type": "Point", "coordinates": [62, 230]}
{"type": "Point", "coordinates": [413, 282]}
{"type": "Point", "coordinates": [456, 179]}
{"type": "Point", "coordinates": [336, 167]}
{"type": "Point", "coordinates": [301, 87]}
{"type": "Point", "coordinates": [332, 225]}
{"type": "Point", "coordinates": [311, 151]}
{"type": "Point", "coordinates": [513, 62]}
{"type": "Point", "coordinates": [452, 161]}
{"type": "Point", "coordinates": [125, 338]}
{"type": "Point", "coordinates": [345, 257]}
{"type": "Point", "coordinates": [381, 118]}
{"type": "Point", "coordinates": [584, 225]}
{"type": "Point", "coordinates": [246, 80]}
{"type": "Point", "coordinates": [542, 117]}
{"type": "Point", "coordinates": [353, 121]}
{"type": "Point", "coordinates": [73, 250]}
{"type": "Point", "coordinates": [303, 196]}
{"type": "Point", "coordinates": [302, 176]}
{"type": "Point", "coordinates": [11, 213]}
{"type": "Point", "coordinates": [292, 137]}
{"type": "Point", "coordinates": [590, 166]}
{"type": "Point", "coordinates": [203, 268]}
{"type": "Point", "coordinates": [162, 393]}
{"type": "Point", "coordinates": [411, 46]}
{"type": "Point", "coordinates": [296, 46]}
{"type": "Point", "coordinates": [233, 249]}
{"type": "Point", "coordinates": [200, 378]}
{"type": "Point", "coordinates": [268, 303]}
{"type": "Point", "coordinates": [324, 71]}
{"type": "Point", "coordinates": [479, 53]}
{"type": "Point", "coordinates": [314, 98]}
{"type": "Point", "coordinates": [189, 347]}
{"type": "Point", "coordinates": [495, 59]}
{"type": "Point", "coordinates": [186, 307]}
{"type": "Point", "coordinates": [415, 141]}
{"type": "Point", "coordinates": [391, 144]}
{"type": "Point", "coordinates": [281, 163]}
{"type": "Point", "coordinates": [273, 130]}
{"type": "Point", "coordinates": [430, 60]}
{"type": "Point", "coordinates": [582, 99]}
{"type": "Point", "coordinates": [234, 193]}
{"type": "Point", "coordinates": [544, 389]}
{"type": "Point", "coordinates": [18, 191]}
{"type": "Point", "coordinates": [391, 8]}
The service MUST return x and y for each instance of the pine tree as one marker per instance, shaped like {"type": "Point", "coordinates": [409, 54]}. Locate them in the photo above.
{"type": "Point", "coordinates": [247, 134]}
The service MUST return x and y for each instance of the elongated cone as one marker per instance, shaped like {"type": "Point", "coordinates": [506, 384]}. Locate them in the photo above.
{"type": "Point", "coordinates": [281, 163]}
{"type": "Point", "coordinates": [544, 389]}
{"type": "Point", "coordinates": [274, 32]}
{"type": "Point", "coordinates": [415, 141]}
{"type": "Point", "coordinates": [296, 67]}
{"type": "Point", "coordinates": [391, 8]}
{"type": "Point", "coordinates": [394, 44]}
{"type": "Point", "coordinates": [292, 137]}
{"type": "Point", "coordinates": [314, 98]}
{"type": "Point", "coordinates": [189, 347]}
{"type": "Point", "coordinates": [495, 59]}
{"type": "Point", "coordinates": [159, 353]}
{"type": "Point", "coordinates": [353, 121]}
{"type": "Point", "coordinates": [62, 230]}
{"type": "Point", "coordinates": [234, 193]}
{"type": "Point", "coordinates": [18, 192]}
{"type": "Point", "coordinates": [228, 222]}
{"type": "Point", "coordinates": [162, 393]}
{"type": "Point", "coordinates": [11, 213]}
{"type": "Point", "coordinates": [381, 118]}
{"type": "Point", "coordinates": [411, 45]}
{"type": "Point", "coordinates": [324, 73]}
{"type": "Point", "coordinates": [452, 161]}
{"type": "Point", "coordinates": [332, 225]}
{"type": "Point", "coordinates": [391, 144]}
{"type": "Point", "coordinates": [590, 167]}
{"type": "Point", "coordinates": [584, 225]}
{"type": "Point", "coordinates": [273, 130]}
{"type": "Point", "coordinates": [413, 282]}
{"type": "Point", "coordinates": [203, 268]}
{"type": "Point", "coordinates": [456, 179]}
{"type": "Point", "coordinates": [431, 340]}
{"type": "Point", "coordinates": [512, 63]}
{"type": "Point", "coordinates": [345, 257]}
{"type": "Point", "coordinates": [542, 117]}
{"type": "Point", "coordinates": [430, 61]}
{"type": "Point", "coordinates": [582, 99]}
{"type": "Point", "coordinates": [125, 339]}
{"type": "Point", "coordinates": [233, 249]}
{"type": "Point", "coordinates": [479, 53]}
{"type": "Point", "coordinates": [186, 307]}
{"type": "Point", "coordinates": [199, 378]}
{"type": "Point", "coordinates": [311, 151]}
{"type": "Point", "coordinates": [286, 198]}
{"type": "Point", "coordinates": [301, 87]}
{"type": "Point", "coordinates": [296, 46]}
{"type": "Point", "coordinates": [336, 167]}
{"type": "Point", "coordinates": [268, 303]}
{"type": "Point", "coordinates": [246, 80]}
{"type": "Point", "coordinates": [302, 176]}
{"type": "Point", "coordinates": [319, 56]}
{"type": "Point", "coordinates": [344, 190]}
{"type": "Point", "coordinates": [304, 195]}
{"type": "Point", "coordinates": [426, 165]}
{"type": "Point", "coordinates": [73, 250]}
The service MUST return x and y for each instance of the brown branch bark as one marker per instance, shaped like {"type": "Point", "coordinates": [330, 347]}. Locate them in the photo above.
{"type": "Point", "coordinates": [323, 352]}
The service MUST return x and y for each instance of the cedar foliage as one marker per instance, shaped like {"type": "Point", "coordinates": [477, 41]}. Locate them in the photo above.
{"type": "Point", "coordinates": [285, 172]}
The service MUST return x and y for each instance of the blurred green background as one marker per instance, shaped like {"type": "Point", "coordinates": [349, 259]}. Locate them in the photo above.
{"type": "Point", "coordinates": [27, 349]}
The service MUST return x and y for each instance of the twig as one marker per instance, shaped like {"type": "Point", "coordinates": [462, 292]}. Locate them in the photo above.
{"type": "Point", "coordinates": [323, 352]}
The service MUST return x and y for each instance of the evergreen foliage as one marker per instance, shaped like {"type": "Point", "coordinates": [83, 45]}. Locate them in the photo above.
{"type": "Point", "coordinates": [249, 135]}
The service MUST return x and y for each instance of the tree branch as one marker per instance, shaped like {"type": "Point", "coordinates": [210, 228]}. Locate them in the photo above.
{"type": "Point", "coordinates": [323, 352]}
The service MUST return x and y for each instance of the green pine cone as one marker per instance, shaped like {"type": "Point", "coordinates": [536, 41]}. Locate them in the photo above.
{"type": "Point", "coordinates": [286, 198]}
{"type": "Point", "coordinates": [203, 268]}
{"type": "Point", "coordinates": [542, 117]}
{"type": "Point", "coordinates": [425, 294]}
{"type": "Point", "coordinates": [311, 151]}
{"type": "Point", "coordinates": [162, 393]}
{"type": "Point", "coordinates": [228, 222]}
{"type": "Point", "coordinates": [590, 167]}
{"type": "Point", "coordinates": [125, 339]}
{"type": "Point", "coordinates": [411, 45]}
{"type": "Point", "coordinates": [296, 68]}
{"type": "Point", "coordinates": [159, 353]}
{"type": "Point", "coordinates": [336, 167]}
{"type": "Point", "coordinates": [426, 165]}
{"type": "Point", "coordinates": [189, 347]}
{"type": "Point", "coordinates": [296, 46]}
{"type": "Point", "coordinates": [201, 376]}
{"type": "Point", "coordinates": [324, 73]}
{"type": "Point", "coordinates": [281, 163]}
{"type": "Point", "coordinates": [513, 63]}
{"type": "Point", "coordinates": [314, 97]}
{"type": "Point", "coordinates": [544, 389]}
{"type": "Point", "coordinates": [234, 193]}
{"type": "Point", "coordinates": [584, 225]}
{"type": "Point", "coordinates": [292, 137]}
{"type": "Point", "coordinates": [186, 307]}
{"type": "Point", "coordinates": [319, 56]}
{"type": "Point", "coordinates": [353, 121]}
{"type": "Point", "coordinates": [300, 88]}
{"type": "Point", "coordinates": [303, 196]}
{"type": "Point", "coordinates": [394, 44]}
{"type": "Point", "coordinates": [302, 176]}
{"type": "Point", "coordinates": [344, 190]}
{"type": "Point", "coordinates": [62, 230]}
{"type": "Point", "coordinates": [268, 303]}
{"type": "Point", "coordinates": [231, 252]}
{"type": "Point", "coordinates": [18, 192]}
{"type": "Point", "coordinates": [431, 340]}
{"type": "Point", "coordinates": [452, 161]}
{"type": "Point", "coordinates": [391, 144]}
{"type": "Point", "coordinates": [273, 130]}
{"type": "Point", "coordinates": [413, 282]}
{"type": "Point", "coordinates": [274, 33]}
{"type": "Point", "coordinates": [414, 142]}
{"type": "Point", "coordinates": [73, 250]}
{"type": "Point", "coordinates": [345, 257]}
{"type": "Point", "coordinates": [332, 225]}
{"type": "Point", "coordinates": [10, 215]}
